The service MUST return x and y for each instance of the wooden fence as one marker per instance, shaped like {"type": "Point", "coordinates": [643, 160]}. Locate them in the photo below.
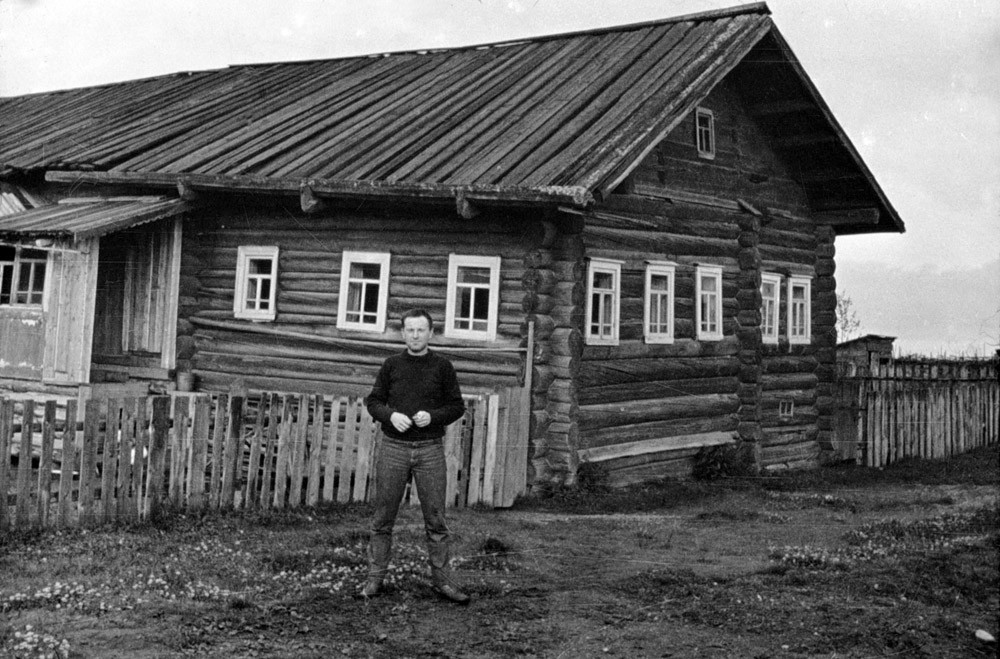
{"type": "Point", "coordinates": [888, 411]}
{"type": "Point", "coordinates": [128, 459]}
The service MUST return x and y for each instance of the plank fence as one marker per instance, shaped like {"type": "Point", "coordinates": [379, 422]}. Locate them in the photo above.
{"type": "Point", "coordinates": [129, 459]}
{"type": "Point", "coordinates": [896, 409]}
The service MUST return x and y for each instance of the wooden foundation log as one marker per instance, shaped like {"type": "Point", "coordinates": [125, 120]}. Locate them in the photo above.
{"type": "Point", "coordinates": [608, 415]}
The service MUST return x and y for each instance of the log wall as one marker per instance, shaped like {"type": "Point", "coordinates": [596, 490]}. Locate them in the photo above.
{"type": "Point", "coordinates": [742, 211]}
{"type": "Point", "coordinates": [302, 350]}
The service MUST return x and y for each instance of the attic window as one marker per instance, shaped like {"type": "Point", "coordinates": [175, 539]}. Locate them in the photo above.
{"type": "Point", "coordinates": [786, 408]}
{"type": "Point", "coordinates": [704, 124]}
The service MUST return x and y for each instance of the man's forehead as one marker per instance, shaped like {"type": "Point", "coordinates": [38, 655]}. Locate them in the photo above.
{"type": "Point", "coordinates": [416, 322]}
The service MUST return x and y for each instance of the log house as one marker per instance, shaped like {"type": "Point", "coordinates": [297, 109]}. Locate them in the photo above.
{"type": "Point", "coordinates": [657, 204]}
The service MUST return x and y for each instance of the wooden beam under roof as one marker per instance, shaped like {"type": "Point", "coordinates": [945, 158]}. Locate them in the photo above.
{"type": "Point", "coordinates": [789, 106]}
{"type": "Point", "coordinates": [806, 139]}
{"type": "Point", "coordinates": [846, 217]}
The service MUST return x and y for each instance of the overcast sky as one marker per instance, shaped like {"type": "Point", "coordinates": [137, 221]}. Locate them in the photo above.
{"type": "Point", "coordinates": [915, 83]}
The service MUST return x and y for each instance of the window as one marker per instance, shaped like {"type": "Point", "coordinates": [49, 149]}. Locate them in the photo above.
{"type": "Point", "coordinates": [473, 297]}
{"type": "Point", "coordinates": [22, 276]}
{"type": "Point", "coordinates": [603, 293]}
{"type": "Point", "coordinates": [658, 318]}
{"type": "Point", "coordinates": [770, 294]}
{"type": "Point", "coordinates": [705, 132]}
{"type": "Point", "coordinates": [786, 408]}
{"type": "Point", "coordinates": [256, 283]}
{"type": "Point", "coordinates": [364, 291]}
{"type": "Point", "coordinates": [708, 310]}
{"type": "Point", "coordinates": [799, 315]}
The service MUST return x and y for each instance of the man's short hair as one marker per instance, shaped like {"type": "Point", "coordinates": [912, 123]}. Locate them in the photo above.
{"type": "Point", "coordinates": [417, 313]}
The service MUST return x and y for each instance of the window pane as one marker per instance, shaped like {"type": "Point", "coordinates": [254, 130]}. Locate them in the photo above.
{"type": "Point", "coordinates": [259, 266]}
{"type": "Point", "coordinates": [709, 284]}
{"type": "Point", "coordinates": [251, 292]}
{"type": "Point", "coordinates": [799, 293]}
{"type": "Point", "coordinates": [370, 271]}
{"type": "Point", "coordinates": [464, 302]}
{"type": "Point", "coordinates": [371, 298]}
{"type": "Point", "coordinates": [481, 308]}
{"type": "Point", "coordinates": [659, 282]}
{"type": "Point", "coordinates": [354, 297]}
{"type": "Point", "coordinates": [473, 275]}
{"type": "Point", "coordinates": [265, 289]}
{"type": "Point", "coordinates": [604, 280]}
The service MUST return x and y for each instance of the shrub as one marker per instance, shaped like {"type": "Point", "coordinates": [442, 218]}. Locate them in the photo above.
{"type": "Point", "coordinates": [713, 463]}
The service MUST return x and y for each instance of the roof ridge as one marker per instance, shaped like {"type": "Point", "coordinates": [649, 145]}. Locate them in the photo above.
{"type": "Point", "coordinates": [710, 14]}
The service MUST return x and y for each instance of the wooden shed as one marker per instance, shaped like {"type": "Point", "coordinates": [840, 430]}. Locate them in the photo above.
{"type": "Point", "coordinates": [656, 205]}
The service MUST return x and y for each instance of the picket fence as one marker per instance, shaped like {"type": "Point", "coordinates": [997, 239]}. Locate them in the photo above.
{"type": "Point", "coordinates": [129, 459]}
{"type": "Point", "coordinates": [915, 408]}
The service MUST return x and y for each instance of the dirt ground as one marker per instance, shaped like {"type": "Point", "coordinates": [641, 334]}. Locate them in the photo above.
{"type": "Point", "coordinates": [845, 562]}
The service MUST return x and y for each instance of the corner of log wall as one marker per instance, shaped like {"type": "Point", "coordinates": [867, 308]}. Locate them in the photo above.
{"type": "Point", "coordinates": [553, 299]}
{"type": "Point", "coordinates": [750, 431]}
{"type": "Point", "coordinates": [825, 338]}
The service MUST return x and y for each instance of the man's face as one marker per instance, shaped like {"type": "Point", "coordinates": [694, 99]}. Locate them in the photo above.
{"type": "Point", "coordinates": [417, 334]}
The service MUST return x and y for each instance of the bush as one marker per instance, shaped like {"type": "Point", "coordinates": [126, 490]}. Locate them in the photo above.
{"type": "Point", "coordinates": [724, 461]}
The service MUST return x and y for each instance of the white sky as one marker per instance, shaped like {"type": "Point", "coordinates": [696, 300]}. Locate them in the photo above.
{"type": "Point", "coordinates": [915, 83]}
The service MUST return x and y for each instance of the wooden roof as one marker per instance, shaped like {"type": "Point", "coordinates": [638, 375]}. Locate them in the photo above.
{"type": "Point", "coordinates": [558, 119]}
{"type": "Point", "coordinates": [88, 217]}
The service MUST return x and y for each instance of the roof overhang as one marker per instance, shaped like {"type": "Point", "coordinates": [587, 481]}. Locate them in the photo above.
{"type": "Point", "coordinates": [82, 218]}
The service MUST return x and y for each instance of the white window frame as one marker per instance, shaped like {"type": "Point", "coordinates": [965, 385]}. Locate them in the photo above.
{"type": "Point", "coordinates": [456, 261]}
{"type": "Point", "coordinates": [806, 311]}
{"type": "Point", "coordinates": [659, 268]}
{"type": "Point", "coordinates": [244, 255]}
{"type": "Point", "coordinates": [612, 297]}
{"type": "Point", "coordinates": [14, 268]}
{"type": "Point", "coordinates": [380, 259]}
{"type": "Point", "coordinates": [704, 150]}
{"type": "Point", "coordinates": [775, 308]}
{"type": "Point", "coordinates": [703, 333]}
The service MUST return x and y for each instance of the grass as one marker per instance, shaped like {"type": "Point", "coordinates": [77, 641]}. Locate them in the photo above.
{"type": "Point", "coordinates": [843, 561]}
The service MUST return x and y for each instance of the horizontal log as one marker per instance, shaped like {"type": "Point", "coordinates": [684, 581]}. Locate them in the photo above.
{"type": "Point", "coordinates": [653, 429]}
{"type": "Point", "coordinates": [657, 389]}
{"type": "Point", "coordinates": [645, 370]}
{"type": "Point", "coordinates": [621, 413]}
{"type": "Point", "coordinates": [637, 349]}
{"type": "Point", "coordinates": [657, 445]}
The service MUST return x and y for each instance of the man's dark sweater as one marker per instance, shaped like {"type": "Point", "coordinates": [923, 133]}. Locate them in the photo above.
{"type": "Point", "coordinates": [408, 384]}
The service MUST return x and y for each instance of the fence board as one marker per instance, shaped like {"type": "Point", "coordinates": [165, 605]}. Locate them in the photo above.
{"type": "Point", "coordinates": [284, 453]}
{"type": "Point", "coordinates": [199, 448]}
{"type": "Point", "coordinates": [314, 450]}
{"type": "Point", "coordinates": [179, 450]}
{"type": "Point", "coordinates": [215, 455]}
{"type": "Point", "coordinates": [330, 461]}
{"type": "Point", "coordinates": [67, 466]}
{"type": "Point", "coordinates": [348, 449]}
{"type": "Point", "coordinates": [297, 466]}
{"type": "Point", "coordinates": [6, 441]}
{"type": "Point", "coordinates": [366, 450]}
{"type": "Point", "coordinates": [24, 464]}
{"type": "Point", "coordinates": [160, 429]}
{"type": "Point", "coordinates": [93, 410]}
{"type": "Point", "coordinates": [44, 493]}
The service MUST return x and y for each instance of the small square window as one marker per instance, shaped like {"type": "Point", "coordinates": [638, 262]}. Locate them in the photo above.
{"type": "Point", "coordinates": [364, 291]}
{"type": "Point", "coordinates": [658, 321]}
{"type": "Point", "coordinates": [799, 310]}
{"type": "Point", "coordinates": [473, 297]}
{"type": "Point", "coordinates": [786, 408]}
{"type": "Point", "coordinates": [22, 277]}
{"type": "Point", "coordinates": [705, 132]}
{"type": "Point", "coordinates": [708, 309]}
{"type": "Point", "coordinates": [603, 295]}
{"type": "Point", "coordinates": [770, 305]}
{"type": "Point", "coordinates": [256, 283]}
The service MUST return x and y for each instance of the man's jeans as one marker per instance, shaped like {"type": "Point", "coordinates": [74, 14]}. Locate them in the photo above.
{"type": "Point", "coordinates": [396, 462]}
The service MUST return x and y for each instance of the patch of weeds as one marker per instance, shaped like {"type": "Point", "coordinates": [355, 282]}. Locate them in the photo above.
{"type": "Point", "coordinates": [28, 643]}
{"type": "Point", "coordinates": [723, 462]}
{"type": "Point", "coordinates": [737, 515]}
{"type": "Point", "coordinates": [592, 477]}
{"type": "Point", "coordinates": [494, 555]}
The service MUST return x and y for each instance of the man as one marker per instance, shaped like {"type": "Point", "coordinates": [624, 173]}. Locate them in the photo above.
{"type": "Point", "coordinates": [416, 394]}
